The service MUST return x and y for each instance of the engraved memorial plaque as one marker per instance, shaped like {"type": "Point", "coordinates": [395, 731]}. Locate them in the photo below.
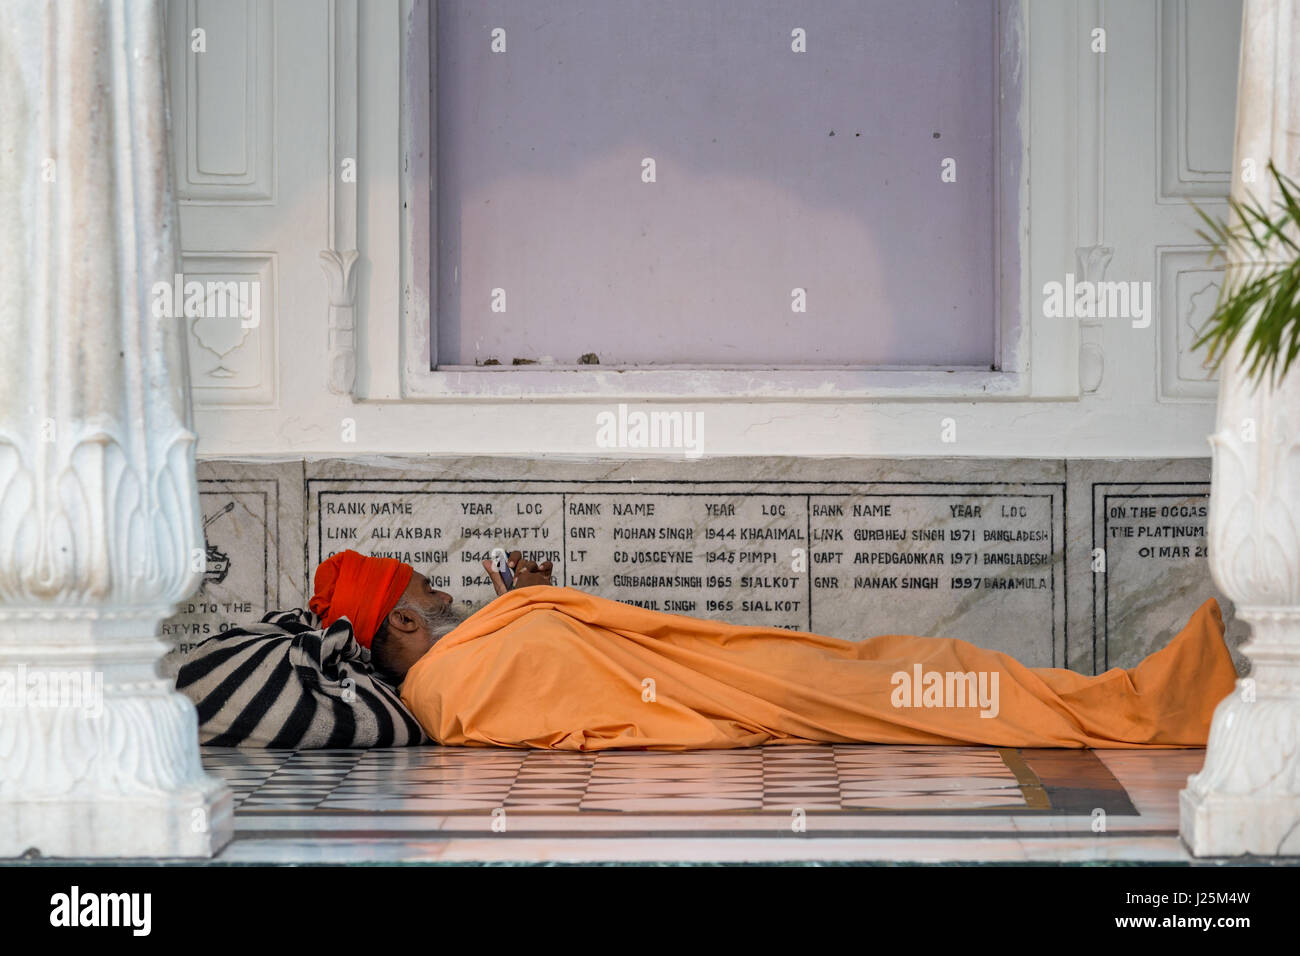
{"type": "Point", "coordinates": [690, 550]}
{"type": "Point", "coordinates": [252, 520]}
{"type": "Point", "coordinates": [445, 534]}
{"type": "Point", "coordinates": [964, 557]}
{"type": "Point", "coordinates": [995, 552]}
{"type": "Point", "coordinates": [948, 560]}
{"type": "Point", "coordinates": [1143, 558]}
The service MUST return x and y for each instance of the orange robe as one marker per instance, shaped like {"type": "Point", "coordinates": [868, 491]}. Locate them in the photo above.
{"type": "Point", "coordinates": [555, 668]}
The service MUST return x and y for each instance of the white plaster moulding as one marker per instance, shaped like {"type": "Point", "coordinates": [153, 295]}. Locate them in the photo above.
{"type": "Point", "coordinates": [711, 384]}
{"type": "Point", "coordinates": [339, 260]}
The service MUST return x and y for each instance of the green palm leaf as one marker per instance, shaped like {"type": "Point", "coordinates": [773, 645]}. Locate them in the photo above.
{"type": "Point", "coordinates": [1260, 253]}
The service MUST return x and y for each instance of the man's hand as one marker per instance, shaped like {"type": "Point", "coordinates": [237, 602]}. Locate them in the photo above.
{"type": "Point", "coordinates": [527, 573]}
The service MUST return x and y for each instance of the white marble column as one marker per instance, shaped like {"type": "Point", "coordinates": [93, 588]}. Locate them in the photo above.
{"type": "Point", "coordinates": [1247, 797]}
{"type": "Point", "coordinates": [99, 525]}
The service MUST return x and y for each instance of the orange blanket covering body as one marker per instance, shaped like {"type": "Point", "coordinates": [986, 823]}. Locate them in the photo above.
{"type": "Point", "coordinates": [555, 668]}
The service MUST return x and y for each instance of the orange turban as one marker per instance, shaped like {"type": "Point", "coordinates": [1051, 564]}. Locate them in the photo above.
{"type": "Point", "coordinates": [359, 588]}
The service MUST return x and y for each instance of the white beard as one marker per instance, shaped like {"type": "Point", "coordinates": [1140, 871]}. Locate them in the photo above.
{"type": "Point", "coordinates": [443, 621]}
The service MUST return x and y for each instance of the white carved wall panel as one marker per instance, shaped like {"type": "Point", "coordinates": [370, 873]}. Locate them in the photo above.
{"type": "Point", "coordinates": [331, 79]}
{"type": "Point", "coordinates": [1187, 292]}
{"type": "Point", "coordinates": [1197, 44]}
{"type": "Point", "coordinates": [224, 139]}
{"type": "Point", "coordinates": [249, 128]}
{"type": "Point", "coordinates": [1171, 71]}
{"type": "Point", "coordinates": [233, 358]}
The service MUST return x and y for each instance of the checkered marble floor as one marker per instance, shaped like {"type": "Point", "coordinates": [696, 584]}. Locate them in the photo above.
{"type": "Point", "coordinates": [833, 802]}
{"type": "Point", "coordinates": [773, 779]}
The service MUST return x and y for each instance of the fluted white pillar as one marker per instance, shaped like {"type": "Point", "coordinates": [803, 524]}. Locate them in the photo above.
{"type": "Point", "coordinates": [99, 524]}
{"type": "Point", "coordinates": [1246, 799]}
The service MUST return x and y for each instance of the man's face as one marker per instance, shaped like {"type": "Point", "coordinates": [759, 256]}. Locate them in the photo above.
{"type": "Point", "coordinates": [420, 591]}
{"type": "Point", "coordinates": [423, 615]}
{"type": "Point", "coordinates": [437, 616]}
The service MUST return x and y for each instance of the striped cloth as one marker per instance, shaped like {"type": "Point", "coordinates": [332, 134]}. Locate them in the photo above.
{"type": "Point", "coordinates": [288, 683]}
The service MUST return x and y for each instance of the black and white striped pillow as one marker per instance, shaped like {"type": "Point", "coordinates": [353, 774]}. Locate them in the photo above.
{"type": "Point", "coordinates": [288, 683]}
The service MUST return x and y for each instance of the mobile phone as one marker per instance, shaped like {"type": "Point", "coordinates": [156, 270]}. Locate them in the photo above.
{"type": "Point", "coordinates": [502, 565]}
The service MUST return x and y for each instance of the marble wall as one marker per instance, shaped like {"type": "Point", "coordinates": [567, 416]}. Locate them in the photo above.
{"type": "Point", "coordinates": [253, 530]}
{"type": "Point", "coordinates": [1080, 563]}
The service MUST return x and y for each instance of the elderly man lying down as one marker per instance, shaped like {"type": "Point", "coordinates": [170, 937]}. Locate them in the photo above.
{"type": "Point", "coordinates": [555, 668]}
